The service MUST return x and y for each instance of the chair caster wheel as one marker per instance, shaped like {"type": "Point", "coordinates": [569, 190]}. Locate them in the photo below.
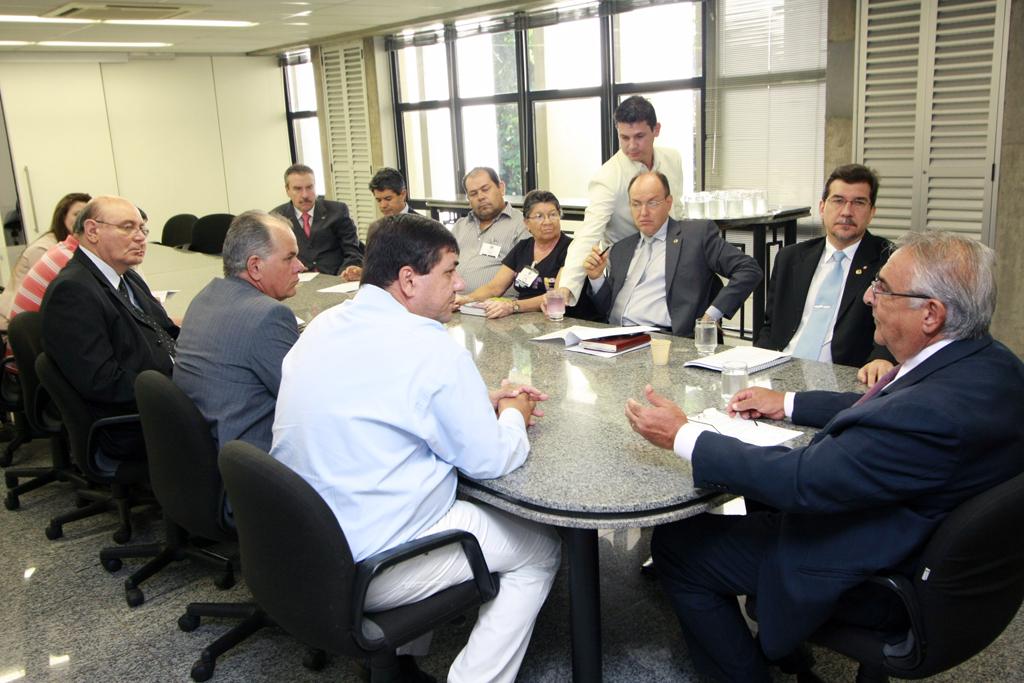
{"type": "Point", "coordinates": [122, 536]}
{"type": "Point", "coordinates": [315, 660]}
{"type": "Point", "coordinates": [111, 564]}
{"type": "Point", "coordinates": [225, 581]}
{"type": "Point", "coordinates": [188, 622]}
{"type": "Point", "coordinates": [53, 532]}
{"type": "Point", "coordinates": [134, 597]}
{"type": "Point", "coordinates": [201, 671]}
{"type": "Point", "coordinates": [11, 502]}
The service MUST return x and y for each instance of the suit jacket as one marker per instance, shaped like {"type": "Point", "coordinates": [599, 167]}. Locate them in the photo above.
{"type": "Point", "coordinates": [98, 340]}
{"type": "Point", "coordinates": [865, 495]}
{"type": "Point", "coordinates": [695, 255]}
{"type": "Point", "coordinates": [853, 334]}
{"type": "Point", "coordinates": [333, 243]}
{"type": "Point", "coordinates": [230, 349]}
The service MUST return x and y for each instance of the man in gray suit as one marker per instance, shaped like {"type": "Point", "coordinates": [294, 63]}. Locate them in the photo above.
{"type": "Point", "coordinates": [667, 274]}
{"type": "Point", "coordinates": [236, 331]}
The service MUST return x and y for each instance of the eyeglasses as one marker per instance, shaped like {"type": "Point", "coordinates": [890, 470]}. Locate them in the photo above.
{"type": "Point", "coordinates": [651, 204]}
{"type": "Point", "coordinates": [878, 289]}
{"type": "Point", "coordinates": [540, 217]}
{"type": "Point", "coordinates": [859, 203]}
{"type": "Point", "coordinates": [127, 228]}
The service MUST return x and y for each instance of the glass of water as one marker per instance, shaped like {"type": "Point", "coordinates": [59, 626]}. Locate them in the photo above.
{"type": "Point", "coordinates": [705, 336]}
{"type": "Point", "coordinates": [734, 378]}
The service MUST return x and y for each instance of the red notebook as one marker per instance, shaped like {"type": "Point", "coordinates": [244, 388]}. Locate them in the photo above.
{"type": "Point", "coordinates": [616, 344]}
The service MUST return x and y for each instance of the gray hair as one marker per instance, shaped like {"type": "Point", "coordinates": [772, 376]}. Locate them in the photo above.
{"type": "Point", "coordinates": [959, 272]}
{"type": "Point", "coordinates": [248, 234]}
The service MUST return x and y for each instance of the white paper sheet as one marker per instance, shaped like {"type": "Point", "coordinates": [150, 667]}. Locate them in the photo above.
{"type": "Point", "coordinates": [343, 288]}
{"type": "Point", "coordinates": [754, 432]}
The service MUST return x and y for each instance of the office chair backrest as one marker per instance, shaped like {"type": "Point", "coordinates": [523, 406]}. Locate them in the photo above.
{"type": "Point", "coordinates": [971, 578]}
{"type": "Point", "coordinates": [26, 337]}
{"type": "Point", "coordinates": [209, 231]}
{"type": "Point", "coordinates": [295, 557]}
{"type": "Point", "coordinates": [182, 457]}
{"type": "Point", "coordinates": [74, 414]}
{"type": "Point", "coordinates": [178, 230]}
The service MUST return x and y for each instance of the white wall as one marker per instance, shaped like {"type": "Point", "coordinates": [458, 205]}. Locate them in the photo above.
{"type": "Point", "coordinates": [191, 134]}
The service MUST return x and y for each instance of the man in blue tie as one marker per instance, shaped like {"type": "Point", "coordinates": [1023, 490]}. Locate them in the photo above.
{"type": "Point", "coordinates": [815, 308]}
{"type": "Point", "coordinates": [667, 273]}
{"type": "Point", "coordinates": [870, 488]}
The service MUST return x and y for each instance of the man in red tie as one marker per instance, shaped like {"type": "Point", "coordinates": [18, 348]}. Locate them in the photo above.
{"type": "Point", "coordinates": [326, 234]}
{"type": "Point", "coordinates": [871, 486]}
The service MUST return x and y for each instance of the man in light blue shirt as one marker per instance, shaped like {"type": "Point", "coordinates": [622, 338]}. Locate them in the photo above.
{"type": "Point", "coordinates": [380, 439]}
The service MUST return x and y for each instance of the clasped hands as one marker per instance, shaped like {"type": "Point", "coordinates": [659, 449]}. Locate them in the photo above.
{"type": "Point", "coordinates": [522, 397]}
{"type": "Point", "coordinates": [493, 308]}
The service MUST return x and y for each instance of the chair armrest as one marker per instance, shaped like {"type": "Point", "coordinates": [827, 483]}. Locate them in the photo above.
{"type": "Point", "coordinates": [912, 650]}
{"type": "Point", "coordinates": [375, 564]}
{"type": "Point", "coordinates": [106, 423]}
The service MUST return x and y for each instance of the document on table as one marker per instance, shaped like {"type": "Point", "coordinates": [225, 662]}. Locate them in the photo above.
{"type": "Point", "coordinates": [306, 277]}
{"type": "Point", "coordinates": [577, 333]}
{"type": "Point", "coordinates": [578, 348]}
{"type": "Point", "coordinates": [162, 295]}
{"type": "Point", "coordinates": [343, 288]}
{"type": "Point", "coordinates": [754, 432]}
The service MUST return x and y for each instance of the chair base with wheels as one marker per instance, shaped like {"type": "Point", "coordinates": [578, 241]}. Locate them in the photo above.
{"type": "Point", "coordinates": [120, 498]}
{"type": "Point", "coordinates": [178, 546]}
{"type": "Point", "coordinates": [60, 470]}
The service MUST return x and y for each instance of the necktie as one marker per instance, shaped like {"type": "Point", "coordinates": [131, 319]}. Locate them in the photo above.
{"type": "Point", "coordinates": [825, 304]}
{"type": "Point", "coordinates": [163, 338]}
{"type": "Point", "coordinates": [634, 277]}
{"type": "Point", "coordinates": [305, 222]}
{"type": "Point", "coordinates": [878, 386]}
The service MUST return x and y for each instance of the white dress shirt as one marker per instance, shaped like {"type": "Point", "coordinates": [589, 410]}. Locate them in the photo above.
{"type": "Point", "coordinates": [376, 410]}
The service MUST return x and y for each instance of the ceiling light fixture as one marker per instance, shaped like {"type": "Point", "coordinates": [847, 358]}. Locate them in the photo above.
{"type": "Point", "coordinates": [83, 43]}
{"type": "Point", "coordinates": [201, 23]}
{"type": "Point", "coordinates": [30, 19]}
{"type": "Point", "coordinates": [13, 43]}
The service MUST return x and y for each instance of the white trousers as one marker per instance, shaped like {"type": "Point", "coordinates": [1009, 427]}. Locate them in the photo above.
{"type": "Point", "coordinates": [525, 555]}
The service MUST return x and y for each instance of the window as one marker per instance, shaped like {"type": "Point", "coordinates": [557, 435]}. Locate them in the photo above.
{"type": "Point", "coordinates": [766, 99]}
{"type": "Point", "coordinates": [531, 94]}
{"type": "Point", "coordinates": [303, 123]}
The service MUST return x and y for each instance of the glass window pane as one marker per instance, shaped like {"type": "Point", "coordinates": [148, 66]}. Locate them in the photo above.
{"type": "Point", "coordinates": [422, 73]}
{"type": "Point", "coordinates": [301, 87]}
{"type": "Point", "coordinates": [567, 135]}
{"type": "Point", "coordinates": [307, 148]}
{"type": "Point", "coordinates": [486, 64]}
{"type": "Point", "coordinates": [428, 153]}
{"type": "Point", "coordinates": [565, 55]}
{"type": "Point", "coordinates": [679, 115]}
{"type": "Point", "coordinates": [658, 43]}
{"type": "Point", "coordinates": [490, 135]}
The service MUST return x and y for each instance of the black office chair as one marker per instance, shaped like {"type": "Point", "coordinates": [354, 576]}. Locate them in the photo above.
{"type": "Point", "coordinates": [209, 231]}
{"type": "Point", "coordinates": [37, 415]}
{"type": "Point", "coordinates": [286, 531]}
{"type": "Point", "coordinates": [177, 230]}
{"type": "Point", "coordinates": [118, 491]}
{"type": "Point", "coordinates": [186, 482]}
{"type": "Point", "coordinates": [968, 586]}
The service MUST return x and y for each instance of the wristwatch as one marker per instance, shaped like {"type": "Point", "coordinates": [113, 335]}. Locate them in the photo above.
{"type": "Point", "coordinates": [515, 306]}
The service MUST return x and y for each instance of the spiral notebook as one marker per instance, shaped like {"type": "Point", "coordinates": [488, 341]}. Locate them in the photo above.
{"type": "Point", "coordinates": [755, 358]}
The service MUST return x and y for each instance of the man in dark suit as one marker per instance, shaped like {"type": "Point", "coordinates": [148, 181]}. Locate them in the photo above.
{"type": "Point", "coordinates": [815, 313]}
{"type": "Point", "coordinates": [236, 331]}
{"type": "Point", "coordinates": [389, 191]}
{"type": "Point", "coordinates": [667, 274]}
{"type": "Point", "coordinates": [101, 324]}
{"type": "Point", "coordinates": [326, 235]}
{"type": "Point", "coordinates": [867, 492]}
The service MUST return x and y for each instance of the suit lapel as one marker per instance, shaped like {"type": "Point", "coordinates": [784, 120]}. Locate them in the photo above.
{"type": "Point", "coordinates": [804, 271]}
{"type": "Point", "coordinates": [621, 258]}
{"type": "Point", "coordinates": [859, 277]}
{"type": "Point", "coordinates": [673, 249]}
{"type": "Point", "coordinates": [114, 295]}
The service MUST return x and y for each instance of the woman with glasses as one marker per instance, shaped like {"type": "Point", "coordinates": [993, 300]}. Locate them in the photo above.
{"type": "Point", "coordinates": [532, 265]}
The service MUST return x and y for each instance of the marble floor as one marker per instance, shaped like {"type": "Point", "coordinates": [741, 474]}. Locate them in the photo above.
{"type": "Point", "coordinates": [63, 618]}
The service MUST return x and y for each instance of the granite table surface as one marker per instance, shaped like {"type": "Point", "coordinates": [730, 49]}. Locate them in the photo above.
{"type": "Point", "coordinates": [587, 468]}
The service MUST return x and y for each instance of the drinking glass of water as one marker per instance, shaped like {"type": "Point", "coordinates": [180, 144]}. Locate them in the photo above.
{"type": "Point", "coordinates": [554, 304]}
{"type": "Point", "coordinates": [705, 336]}
{"type": "Point", "coordinates": [734, 378]}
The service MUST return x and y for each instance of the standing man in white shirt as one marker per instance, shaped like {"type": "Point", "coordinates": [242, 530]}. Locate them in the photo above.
{"type": "Point", "coordinates": [382, 439]}
{"type": "Point", "coordinates": [489, 231]}
{"type": "Point", "coordinates": [608, 216]}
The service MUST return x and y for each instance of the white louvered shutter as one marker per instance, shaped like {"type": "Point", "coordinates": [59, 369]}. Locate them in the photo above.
{"type": "Point", "coordinates": [348, 134]}
{"type": "Point", "coordinates": [930, 91]}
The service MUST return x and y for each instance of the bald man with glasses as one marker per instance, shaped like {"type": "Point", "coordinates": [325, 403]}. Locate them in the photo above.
{"type": "Point", "coordinates": [101, 324]}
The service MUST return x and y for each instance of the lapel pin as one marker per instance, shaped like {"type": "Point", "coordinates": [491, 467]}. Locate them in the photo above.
{"type": "Point", "coordinates": [675, 241]}
{"type": "Point", "coordinates": [860, 271]}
